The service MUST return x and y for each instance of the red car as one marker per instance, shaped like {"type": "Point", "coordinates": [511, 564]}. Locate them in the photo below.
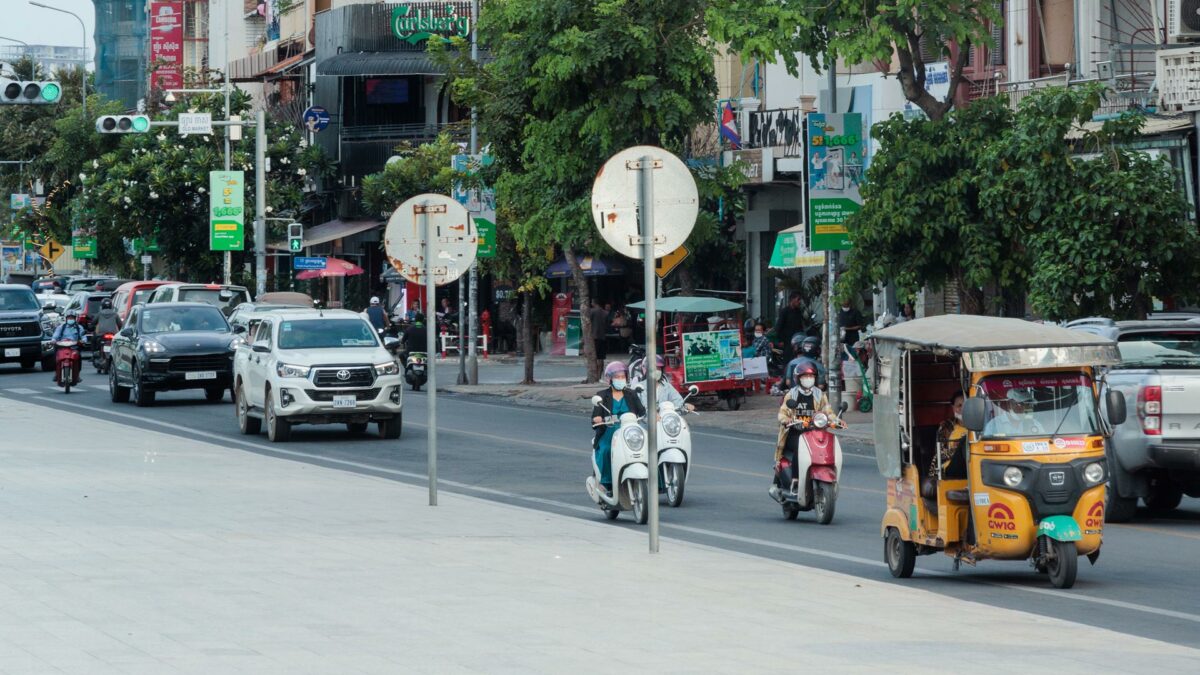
{"type": "Point", "coordinates": [134, 293]}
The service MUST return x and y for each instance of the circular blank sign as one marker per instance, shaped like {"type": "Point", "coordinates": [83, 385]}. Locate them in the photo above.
{"type": "Point", "coordinates": [455, 241]}
{"type": "Point", "coordinates": [615, 198]}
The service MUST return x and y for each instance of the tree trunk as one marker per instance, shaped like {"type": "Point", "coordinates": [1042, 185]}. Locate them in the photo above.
{"type": "Point", "coordinates": [527, 335]}
{"type": "Point", "coordinates": [687, 284]}
{"type": "Point", "coordinates": [588, 347]}
{"type": "Point", "coordinates": [970, 299]}
{"type": "Point", "coordinates": [911, 75]}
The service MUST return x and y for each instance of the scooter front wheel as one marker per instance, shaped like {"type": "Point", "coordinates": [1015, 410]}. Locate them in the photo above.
{"type": "Point", "coordinates": [675, 478]}
{"type": "Point", "coordinates": [611, 514]}
{"type": "Point", "coordinates": [637, 495]}
{"type": "Point", "coordinates": [824, 502]}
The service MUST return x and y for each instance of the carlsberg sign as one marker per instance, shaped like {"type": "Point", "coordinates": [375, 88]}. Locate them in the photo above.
{"type": "Point", "coordinates": [416, 22]}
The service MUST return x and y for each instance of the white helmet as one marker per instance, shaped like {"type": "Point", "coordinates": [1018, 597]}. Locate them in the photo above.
{"type": "Point", "coordinates": [375, 300]}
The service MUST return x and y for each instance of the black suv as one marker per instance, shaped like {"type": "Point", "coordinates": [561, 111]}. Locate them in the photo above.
{"type": "Point", "coordinates": [171, 346]}
{"type": "Point", "coordinates": [20, 325]}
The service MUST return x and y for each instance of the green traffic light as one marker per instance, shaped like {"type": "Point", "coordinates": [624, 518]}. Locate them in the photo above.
{"type": "Point", "coordinates": [51, 92]}
{"type": "Point", "coordinates": [141, 124]}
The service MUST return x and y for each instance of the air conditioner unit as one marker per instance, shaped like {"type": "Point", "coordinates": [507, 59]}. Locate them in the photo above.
{"type": "Point", "coordinates": [1183, 20]}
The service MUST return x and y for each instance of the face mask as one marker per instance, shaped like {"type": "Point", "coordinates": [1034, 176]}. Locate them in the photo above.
{"type": "Point", "coordinates": [958, 415]}
{"type": "Point", "coordinates": [70, 322]}
{"type": "Point", "coordinates": [845, 308]}
{"type": "Point", "coordinates": [757, 334]}
{"type": "Point", "coordinates": [807, 382]}
{"type": "Point", "coordinates": [619, 384]}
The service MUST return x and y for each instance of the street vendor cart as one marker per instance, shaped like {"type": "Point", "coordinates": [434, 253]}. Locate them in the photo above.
{"type": "Point", "coordinates": [701, 343]}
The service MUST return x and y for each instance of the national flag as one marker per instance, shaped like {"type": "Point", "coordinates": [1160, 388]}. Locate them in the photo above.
{"type": "Point", "coordinates": [729, 128]}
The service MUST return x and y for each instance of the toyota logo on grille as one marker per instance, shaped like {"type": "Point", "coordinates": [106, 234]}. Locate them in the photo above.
{"type": "Point", "coordinates": [343, 374]}
{"type": "Point", "coordinates": [1058, 477]}
{"type": "Point", "coordinates": [10, 328]}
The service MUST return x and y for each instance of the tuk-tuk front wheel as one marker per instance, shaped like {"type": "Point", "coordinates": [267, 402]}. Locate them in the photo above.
{"type": "Point", "coordinates": [1062, 563]}
{"type": "Point", "coordinates": [901, 556]}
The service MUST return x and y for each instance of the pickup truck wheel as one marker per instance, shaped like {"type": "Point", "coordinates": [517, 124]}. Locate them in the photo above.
{"type": "Point", "coordinates": [1119, 509]}
{"type": "Point", "coordinates": [1164, 496]}
{"type": "Point", "coordinates": [278, 430]}
{"type": "Point", "coordinates": [28, 363]}
{"type": "Point", "coordinates": [247, 424]}
{"type": "Point", "coordinates": [390, 429]}
{"type": "Point", "coordinates": [356, 427]}
{"type": "Point", "coordinates": [214, 394]}
{"type": "Point", "coordinates": [48, 364]}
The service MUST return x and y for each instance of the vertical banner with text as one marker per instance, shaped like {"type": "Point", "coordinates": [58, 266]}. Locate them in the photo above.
{"type": "Point", "coordinates": [166, 44]}
{"type": "Point", "coordinates": [227, 211]}
{"type": "Point", "coordinates": [835, 157]}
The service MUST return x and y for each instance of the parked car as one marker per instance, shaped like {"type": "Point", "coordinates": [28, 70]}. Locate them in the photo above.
{"type": "Point", "coordinates": [132, 294]}
{"type": "Point", "coordinates": [1155, 455]}
{"type": "Point", "coordinates": [222, 296]}
{"type": "Point", "coordinates": [172, 346]}
{"type": "Point", "coordinates": [21, 332]}
{"type": "Point", "coordinates": [305, 366]}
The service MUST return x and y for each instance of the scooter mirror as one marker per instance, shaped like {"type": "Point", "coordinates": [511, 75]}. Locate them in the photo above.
{"type": "Point", "coordinates": [843, 408]}
{"type": "Point", "coordinates": [596, 400]}
{"type": "Point", "coordinates": [693, 390]}
{"type": "Point", "coordinates": [792, 403]}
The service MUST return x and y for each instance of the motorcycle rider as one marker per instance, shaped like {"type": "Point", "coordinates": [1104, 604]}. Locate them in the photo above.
{"type": "Point", "coordinates": [808, 351]}
{"type": "Point", "coordinates": [665, 389]}
{"type": "Point", "coordinates": [414, 335]}
{"type": "Point", "coordinates": [613, 401]}
{"type": "Point", "coordinates": [378, 318]}
{"type": "Point", "coordinates": [809, 399]}
{"type": "Point", "coordinates": [70, 330]}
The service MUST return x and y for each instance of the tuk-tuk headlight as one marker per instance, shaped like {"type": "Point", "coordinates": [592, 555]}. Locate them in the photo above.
{"type": "Point", "coordinates": [672, 425]}
{"type": "Point", "coordinates": [1093, 473]}
{"type": "Point", "coordinates": [1013, 476]}
{"type": "Point", "coordinates": [635, 438]}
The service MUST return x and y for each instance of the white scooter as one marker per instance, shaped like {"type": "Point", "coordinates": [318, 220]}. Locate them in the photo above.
{"type": "Point", "coordinates": [630, 473]}
{"type": "Point", "coordinates": [674, 444]}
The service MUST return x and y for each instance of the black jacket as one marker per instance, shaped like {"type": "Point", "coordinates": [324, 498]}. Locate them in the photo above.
{"type": "Point", "coordinates": [631, 398]}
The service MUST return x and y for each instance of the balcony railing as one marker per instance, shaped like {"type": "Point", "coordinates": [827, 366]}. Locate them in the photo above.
{"type": "Point", "coordinates": [401, 132]}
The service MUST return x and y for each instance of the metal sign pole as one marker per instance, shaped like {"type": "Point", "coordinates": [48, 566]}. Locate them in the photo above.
{"type": "Point", "coordinates": [646, 203]}
{"type": "Point", "coordinates": [430, 349]}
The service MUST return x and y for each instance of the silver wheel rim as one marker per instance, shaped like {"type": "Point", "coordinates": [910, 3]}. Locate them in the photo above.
{"type": "Point", "coordinates": [241, 407]}
{"type": "Point", "coordinates": [894, 551]}
{"type": "Point", "coordinates": [673, 481]}
{"type": "Point", "coordinates": [639, 504]}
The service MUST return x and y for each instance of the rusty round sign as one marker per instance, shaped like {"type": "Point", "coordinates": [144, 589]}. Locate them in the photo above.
{"type": "Point", "coordinates": [455, 240]}
{"type": "Point", "coordinates": [616, 201]}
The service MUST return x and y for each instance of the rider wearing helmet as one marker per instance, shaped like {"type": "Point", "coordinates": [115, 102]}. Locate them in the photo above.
{"type": "Point", "coordinates": [807, 349]}
{"type": "Point", "coordinates": [414, 335]}
{"type": "Point", "coordinates": [665, 389]}
{"type": "Point", "coordinates": [809, 401]}
{"type": "Point", "coordinates": [615, 401]}
{"type": "Point", "coordinates": [70, 329]}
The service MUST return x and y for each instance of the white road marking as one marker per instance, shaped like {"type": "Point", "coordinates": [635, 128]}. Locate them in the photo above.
{"type": "Point", "coordinates": [1061, 595]}
{"type": "Point", "coordinates": [22, 391]}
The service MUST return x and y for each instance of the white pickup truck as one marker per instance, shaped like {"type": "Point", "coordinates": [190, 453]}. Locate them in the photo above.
{"type": "Point", "coordinates": [308, 366]}
{"type": "Point", "coordinates": [1155, 455]}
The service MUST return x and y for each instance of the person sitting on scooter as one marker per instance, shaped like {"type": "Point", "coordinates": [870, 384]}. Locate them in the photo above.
{"type": "Point", "coordinates": [664, 391]}
{"type": "Point", "coordinates": [70, 330]}
{"type": "Point", "coordinates": [414, 335]}
{"type": "Point", "coordinates": [106, 323]}
{"type": "Point", "coordinates": [807, 350]}
{"type": "Point", "coordinates": [615, 402]}
{"type": "Point", "coordinates": [809, 399]}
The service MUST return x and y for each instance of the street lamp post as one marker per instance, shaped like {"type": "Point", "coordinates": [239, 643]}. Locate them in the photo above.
{"type": "Point", "coordinates": [83, 68]}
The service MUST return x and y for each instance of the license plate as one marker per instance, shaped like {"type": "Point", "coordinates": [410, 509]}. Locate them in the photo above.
{"type": "Point", "coordinates": [107, 348]}
{"type": "Point", "coordinates": [419, 368]}
{"type": "Point", "coordinates": [345, 401]}
{"type": "Point", "coordinates": [12, 352]}
{"type": "Point", "coordinates": [202, 375]}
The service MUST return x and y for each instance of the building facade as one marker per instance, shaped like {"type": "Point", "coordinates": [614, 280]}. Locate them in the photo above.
{"type": "Point", "coordinates": [50, 57]}
{"type": "Point", "coordinates": [122, 40]}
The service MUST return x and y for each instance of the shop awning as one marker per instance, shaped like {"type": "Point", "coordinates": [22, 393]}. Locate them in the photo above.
{"type": "Point", "coordinates": [327, 232]}
{"type": "Point", "coordinates": [379, 63]}
{"type": "Point", "coordinates": [592, 267]}
{"type": "Point", "coordinates": [789, 252]}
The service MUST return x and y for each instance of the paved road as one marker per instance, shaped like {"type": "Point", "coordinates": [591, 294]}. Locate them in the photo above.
{"type": "Point", "coordinates": [1144, 583]}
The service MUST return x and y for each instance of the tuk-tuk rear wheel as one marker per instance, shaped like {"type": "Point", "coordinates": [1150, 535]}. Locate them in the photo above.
{"type": "Point", "coordinates": [900, 555]}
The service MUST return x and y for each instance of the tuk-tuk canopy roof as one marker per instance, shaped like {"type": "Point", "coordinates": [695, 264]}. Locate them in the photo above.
{"type": "Point", "coordinates": [968, 333]}
{"type": "Point", "coordinates": [689, 305]}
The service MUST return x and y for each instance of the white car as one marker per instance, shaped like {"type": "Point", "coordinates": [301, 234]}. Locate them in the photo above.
{"type": "Point", "coordinates": [308, 366]}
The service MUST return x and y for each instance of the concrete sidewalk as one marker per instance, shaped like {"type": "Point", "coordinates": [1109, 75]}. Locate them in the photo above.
{"type": "Point", "coordinates": [128, 551]}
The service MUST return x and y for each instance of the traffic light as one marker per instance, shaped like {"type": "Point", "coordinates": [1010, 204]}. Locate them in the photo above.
{"type": "Point", "coordinates": [123, 124]}
{"type": "Point", "coordinates": [295, 237]}
{"type": "Point", "coordinates": [15, 92]}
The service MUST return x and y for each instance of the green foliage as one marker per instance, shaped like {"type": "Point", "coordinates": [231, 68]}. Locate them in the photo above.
{"type": "Point", "coordinates": [420, 169]}
{"type": "Point", "coordinates": [1017, 212]}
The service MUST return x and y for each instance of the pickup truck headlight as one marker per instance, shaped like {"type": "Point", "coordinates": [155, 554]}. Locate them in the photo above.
{"type": "Point", "coordinates": [389, 368]}
{"type": "Point", "coordinates": [288, 370]}
{"type": "Point", "coordinates": [152, 347]}
{"type": "Point", "coordinates": [235, 343]}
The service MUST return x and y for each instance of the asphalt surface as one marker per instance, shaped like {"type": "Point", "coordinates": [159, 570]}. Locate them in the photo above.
{"type": "Point", "coordinates": [1145, 582]}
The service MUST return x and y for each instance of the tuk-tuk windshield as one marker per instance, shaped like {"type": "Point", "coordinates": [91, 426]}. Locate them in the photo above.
{"type": "Point", "coordinates": [1057, 404]}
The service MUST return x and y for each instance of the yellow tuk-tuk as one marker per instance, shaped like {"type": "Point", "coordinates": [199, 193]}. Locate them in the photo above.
{"type": "Point", "coordinates": [1022, 474]}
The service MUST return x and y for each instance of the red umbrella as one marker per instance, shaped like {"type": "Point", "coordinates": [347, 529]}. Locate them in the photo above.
{"type": "Point", "coordinates": [334, 267]}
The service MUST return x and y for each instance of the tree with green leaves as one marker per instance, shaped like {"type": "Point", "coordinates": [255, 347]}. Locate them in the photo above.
{"type": "Point", "coordinates": [419, 169]}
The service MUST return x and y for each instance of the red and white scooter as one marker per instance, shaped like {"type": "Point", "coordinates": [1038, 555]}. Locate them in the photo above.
{"type": "Point", "coordinates": [809, 480]}
{"type": "Point", "coordinates": [67, 362]}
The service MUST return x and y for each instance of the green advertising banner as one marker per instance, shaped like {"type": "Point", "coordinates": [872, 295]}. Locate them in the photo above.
{"type": "Point", "coordinates": [84, 248]}
{"type": "Point", "coordinates": [712, 355]}
{"type": "Point", "coordinates": [574, 336]}
{"type": "Point", "coordinates": [486, 230]}
{"type": "Point", "coordinates": [227, 211]}
{"type": "Point", "coordinates": [836, 157]}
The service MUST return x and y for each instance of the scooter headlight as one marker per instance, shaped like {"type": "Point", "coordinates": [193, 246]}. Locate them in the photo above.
{"type": "Point", "coordinates": [820, 420]}
{"type": "Point", "coordinates": [1093, 473]}
{"type": "Point", "coordinates": [672, 425]}
{"type": "Point", "coordinates": [1013, 476]}
{"type": "Point", "coordinates": [635, 438]}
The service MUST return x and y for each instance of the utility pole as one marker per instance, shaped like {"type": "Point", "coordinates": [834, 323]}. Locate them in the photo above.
{"type": "Point", "coordinates": [472, 312]}
{"type": "Point", "coordinates": [832, 344]}
{"type": "Point", "coordinates": [260, 202]}
{"type": "Point", "coordinates": [227, 263]}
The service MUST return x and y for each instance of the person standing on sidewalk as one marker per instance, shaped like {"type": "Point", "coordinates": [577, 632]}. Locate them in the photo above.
{"type": "Point", "coordinates": [599, 319]}
{"type": "Point", "coordinates": [791, 321]}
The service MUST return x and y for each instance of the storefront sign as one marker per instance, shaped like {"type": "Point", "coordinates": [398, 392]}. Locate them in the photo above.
{"type": "Point", "coordinates": [789, 253]}
{"type": "Point", "coordinates": [166, 44]}
{"type": "Point", "coordinates": [835, 155]}
{"type": "Point", "coordinates": [227, 211]}
{"type": "Point", "coordinates": [486, 230]}
{"type": "Point", "coordinates": [712, 355]}
{"type": "Point", "coordinates": [416, 22]}
{"type": "Point", "coordinates": [84, 247]}
{"type": "Point", "coordinates": [783, 128]}
{"type": "Point", "coordinates": [758, 164]}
